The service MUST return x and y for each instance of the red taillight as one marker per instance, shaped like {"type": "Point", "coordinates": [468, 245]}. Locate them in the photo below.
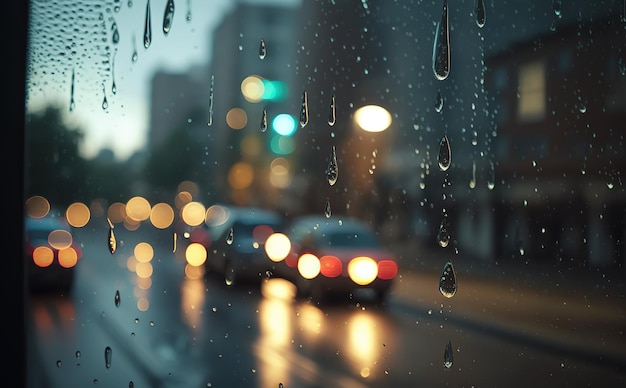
{"type": "Point", "coordinates": [331, 266]}
{"type": "Point", "coordinates": [387, 269]}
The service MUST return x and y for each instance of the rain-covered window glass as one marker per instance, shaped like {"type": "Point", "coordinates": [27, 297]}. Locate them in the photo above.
{"type": "Point", "coordinates": [323, 193]}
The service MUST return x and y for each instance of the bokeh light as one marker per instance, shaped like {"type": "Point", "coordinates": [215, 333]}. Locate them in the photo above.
{"type": "Point", "coordinates": [138, 208]}
{"type": "Point", "coordinates": [143, 252]}
{"type": "Point", "coordinates": [193, 213]}
{"type": "Point", "coordinates": [309, 266]}
{"type": "Point", "coordinates": [240, 175]}
{"type": "Point", "coordinates": [236, 118]}
{"type": "Point", "coordinates": [195, 254]}
{"type": "Point", "coordinates": [277, 246]}
{"type": "Point", "coordinates": [78, 214]}
{"type": "Point", "coordinates": [372, 118]}
{"type": "Point", "coordinates": [162, 215]}
{"type": "Point", "coordinates": [37, 206]}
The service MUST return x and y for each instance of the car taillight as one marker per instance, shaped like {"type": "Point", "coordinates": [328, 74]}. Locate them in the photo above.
{"type": "Point", "coordinates": [362, 270]}
{"type": "Point", "coordinates": [387, 269]}
{"type": "Point", "coordinates": [330, 266]}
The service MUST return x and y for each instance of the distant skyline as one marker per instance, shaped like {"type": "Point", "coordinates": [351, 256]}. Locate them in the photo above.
{"type": "Point", "coordinates": [123, 125]}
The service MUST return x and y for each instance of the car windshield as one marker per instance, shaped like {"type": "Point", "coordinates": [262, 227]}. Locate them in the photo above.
{"type": "Point", "coordinates": [482, 142]}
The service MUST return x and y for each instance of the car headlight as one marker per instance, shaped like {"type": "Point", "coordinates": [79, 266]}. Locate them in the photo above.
{"type": "Point", "coordinates": [362, 270]}
{"type": "Point", "coordinates": [309, 266]}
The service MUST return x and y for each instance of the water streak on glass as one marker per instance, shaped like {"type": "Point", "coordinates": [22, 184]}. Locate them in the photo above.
{"type": "Point", "coordinates": [105, 102]}
{"type": "Point", "coordinates": [210, 120]}
{"type": "Point", "coordinates": [174, 243]}
{"type": "Point", "coordinates": [304, 110]}
{"type": "Point", "coordinates": [332, 114]}
{"type": "Point", "coordinates": [327, 211]}
{"type": "Point", "coordinates": [439, 103]}
{"type": "Point", "coordinates": [262, 49]}
{"type": "Point", "coordinates": [472, 183]}
{"type": "Point", "coordinates": [113, 85]}
{"type": "Point", "coordinates": [72, 102]}
{"type": "Point", "coordinates": [117, 298]}
{"type": "Point", "coordinates": [491, 179]}
{"type": "Point", "coordinates": [134, 56]}
{"type": "Point", "coordinates": [443, 236]}
{"type": "Point", "coordinates": [107, 356]}
{"type": "Point", "coordinates": [441, 46]}
{"type": "Point", "coordinates": [332, 171]}
{"type": "Point", "coordinates": [230, 236]}
{"type": "Point", "coordinates": [448, 356]}
{"type": "Point", "coordinates": [445, 156]}
{"type": "Point", "coordinates": [447, 281]}
{"type": "Point", "coordinates": [188, 17]}
{"type": "Point", "coordinates": [168, 16]}
{"type": "Point", "coordinates": [480, 13]}
{"type": "Point", "coordinates": [557, 7]}
{"type": "Point", "coordinates": [264, 121]}
{"type": "Point", "coordinates": [147, 29]}
{"type": "Point", "coordinates": [117, 6]}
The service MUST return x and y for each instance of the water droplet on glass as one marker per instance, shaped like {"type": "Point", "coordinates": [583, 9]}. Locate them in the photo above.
{"type": "Point", "coordinates": [557, 6]}
{"type": "Point", "coordinates": [332, 171]}
{"type": "Point", "coordinates": [480, 13]}
{"type": "Point", "coordinates": [147, 28]}
{"type": "Point", "coordinates": [77, 354]}
{"type": "Point", "coordinates": [439, 103]}
{"type": "Point", "coordinates": [131, 384]}
{"type": "Point", "coordinates": [582, 108]}
{"type": "Point", "coordinates": [188, 17]}
{"type": "Point", "coordinates": [448, 356]}
{"type": "Point", "coordinates": [113, 85]}
{"type": "Point", "coordinates": [474, 138]}
{"type": "Point", "coordinates": [174, 242]}
{"type": "Point", "coordinates": [230, 236]}
{"type": "Point", "coordinates": [107, 356]}
{"type": "Point", "coordinates": [332, 114]}
{"type": "Point", "coordinates": [168, 16]}
{"type": "Point", "coordinates": [210, 120]}
{"type": "Point", "coordinates": [327, 211]}
{"type": "Point", "coordinates": [441, 46]}
{"type": "Point", "coordinates": [262, 49]}
{"type": "Point", "coordinates": [105, 103]}
{"type": "Point", "coordinates": [117, 298]}
{"type": "Point", "coordinates": [264, 121]}
{"type": "Point", "coordinates": [472, 183]}
{"type": "Point", "coordinates": [304, 110]}
{"type": "Point", "coordinates": [491, 179]}
{"type": "Point", "coordinates": [447, 281]}
{"type": "Point", "coordinates": [444, 157]}
{"type": "Point", "coordinates": [72, 103]}
{"type": "Point", "coordinates": [130, 3]}
{"type": "Point", "coordinates": [134, 56]}
{"type": "Point", "coordinates": [59, 364]}
{"type": "Point", "coordinates": [115, 37]}
{"type": "Point", "coordinates": [443, 236]}
{"type": "Point", "coordinates": [112, 240]}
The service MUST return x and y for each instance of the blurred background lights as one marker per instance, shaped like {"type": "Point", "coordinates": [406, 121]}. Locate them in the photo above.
{"type": "Point", "coordinates": [252, 88]}
{"type": "Point", "coordinates": [284, 124]}
{"type": "Point", "coordinates": [282, 145]}
{"type": "Point", "coordinates": [277, 247]}
{"type": "Point", "coordinates": [78, 214]}
{"type": "Point", "coordinates": [372, 118]}
{"type": "Point", "coordinates": [162, 215]}
{"type": "Point", "coordinates": [195, 254]}
{"type": "Point", "coordinates": [236, 118]}
{"type": "Point", "coordinates": [193, 213]}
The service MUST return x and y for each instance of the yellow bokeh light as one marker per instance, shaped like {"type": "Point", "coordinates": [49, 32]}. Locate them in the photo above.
{"type": "Point", "coordinates": [78, 214]}
{"type": "Point", "coordinates": [37, 206]}
{"type": "Point", "coordinates": [182, 198]}
{"type": "Point", "coordinates": [194, 272]}
{"type": "Point", "coordinates": [144, 270]}
{"type": "Point", "coordinates": [372, 118]}
{"type": "Point", "coordinates": [251, 146]}
{"type": "Point", "coordinates": [143, 252]}
{"type": "Point", "coordinates": [277, 246]}
{"type": "Point", "coordinates": [138, 209]}
{"type": "Point", "coordinates": [216, 215]}
{"type": "Point", "coordinates": [43, 256]}
{"type": "Point", "coordinates": [236, 118]}
{"type": "Point", "coordinates": [195, 254]}
{"type": "Point", "coordinates": [188, 186]}
{"type": "Point", "coordinates": [162, 215]}
{"type": "Point", "coordinates": [240, 175]}
{"type": "Point", "coordinates": [68, 257]}
{"type": "Point", "coordinates": [252, 88]}
{"type": "Point", "coordinates": [193, 213]}
{"type": "Point", "coordinates": [116, 212]}
{"type": "Point", "coordinates": [309, 266]}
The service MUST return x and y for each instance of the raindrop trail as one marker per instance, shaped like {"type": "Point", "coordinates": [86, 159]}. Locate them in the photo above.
{"type": "Point", "coordinates": [168, 17]}
{"type": "Point", "coordinates": [327, 211]}
{"type": "Point", "coordinates": [332, 171]}
{"type": "Point", "coordinates": [134, 56]}
{"type": "Point", "coordinates": [210, 120]}
{"type": "Point", "coordinates": [262, 49]}
{"type": "Point", "coordinates": [332, 114]}
{"type": "Point", "coordinates": [439, 103]}
{"type": "Point", "coordinates": [230, 237]}
{"type": "Point", "coordinates": [441, 46]}
{"type": "Point", "coordinates": [264, 120]}
{"type": "Point", "coordinates": [147, 29]}
{"type": "Point", "coordinates": [107, 356]}
{"type": "Point", "coordinates": [115, 37]}
{"type": "Point", "coordinates": [481, 16]}
{"type": "Point", "coordinates": [105, 102]}
{"type": "Point", "coordinates": [111, 238]}
{"type": "Point", "coordinates": [448, 356]}
{"type": "Point", "coordinates": [72, 102]}
{"type": "Point", "coordinates": [113, 85]}
{"type": "Point", "coordinates": [304, 110]}
{"type": "Point", "coordinates": [117, 298]}
{"type": "Point", "coordinates": [188, 17]}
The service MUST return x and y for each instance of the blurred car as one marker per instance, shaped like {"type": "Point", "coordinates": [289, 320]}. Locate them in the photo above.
{"type": "Point", "coordinates": [51, 254]}
{"type": "Point", "coordinates": [235, 248]}
{"type": "Point", "coordinates": [337, 256]}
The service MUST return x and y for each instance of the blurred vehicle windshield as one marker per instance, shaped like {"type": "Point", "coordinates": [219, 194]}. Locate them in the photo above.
{"type": "Point", "coordinates": [481, 143]}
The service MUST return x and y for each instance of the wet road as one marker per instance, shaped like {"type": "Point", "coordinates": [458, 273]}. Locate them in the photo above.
{"type": "Point", "coordinates": [172, 331]}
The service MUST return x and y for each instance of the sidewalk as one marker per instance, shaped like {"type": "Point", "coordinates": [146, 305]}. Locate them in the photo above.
{"type": "Point", "coordinates": [581, 312]}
